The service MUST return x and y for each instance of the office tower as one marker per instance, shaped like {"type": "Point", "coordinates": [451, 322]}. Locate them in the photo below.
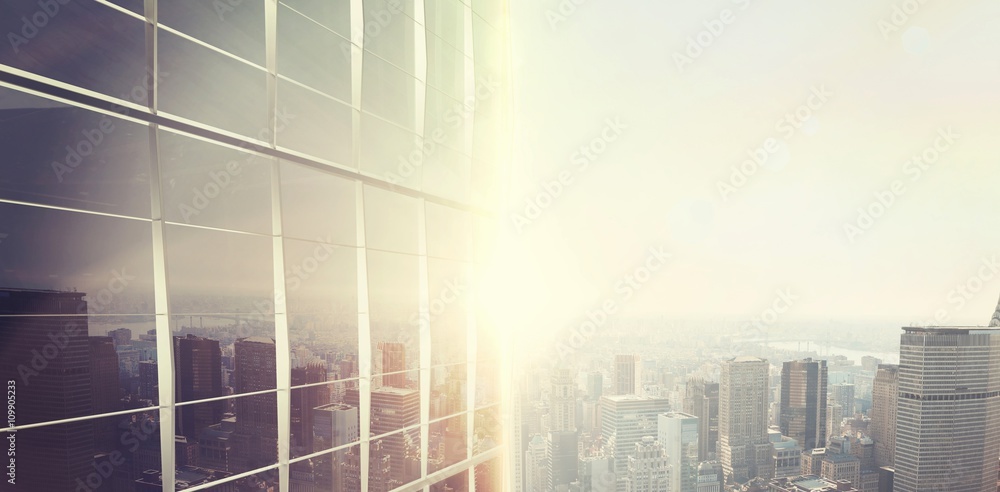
{"type": "Point", "coordinates": [255, 438]}
{"type": "Point", "coordinates": [835, 419]}
{"type": "Point", "coordinates": [786, 456]}
{"type": "Point", "coordinates": [836, 467]}
{"type": "Point", "coordinates": [392, 358]}
{"type": "Point", "coordinates": [105, 390]}
{"type": "Point", "coordinates": [883, 425]}
{"type": "Point", "coordinates": [304, 400]}
{"type": "Point", "coordinates": [701, 399]}
{"type": "Point", "coordinates": [803, 402]}
{"type": "Point", "coordinates": [744, 448]}
{"type": "Point", "coordinates": [535, 464]}
{"type": "Point", "coordinates": [595, 385]}
{"type": "Point", "coordinates": [394, 409]}
{"type": "Point", "coordinates": [180, 161]}
{"type": "Point", "coordinates": [709, 477]}
{"type": "Point", "coordinates": [843, 395]}
{"type": "Point", "coordinates": [148, 381]}
{"type": "Point", "coordinates": [625, 420]}
{"type": "Point", "coordinates": [648, 470]}
{"type": "Point", "coordinates": [561, 458]}
{"type": "Point", "coordinates": [198, 376]}
{"type": "Point", "coordinates": [948, 413]}
{"type": "Point", "coordinates": [47, 355]}
{"type": "Point", "coordinates": [678, 434]}
{"type": "Point", "coordinates": [596, 473]}
{"type": "Point", "coordinates": [334, 425]}
{"type": "Point", "coordinates": [562, 401]}
{"type": "Point", "coordinates": [627, 375]}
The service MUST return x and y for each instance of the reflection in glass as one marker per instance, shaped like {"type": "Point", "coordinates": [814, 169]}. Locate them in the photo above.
{"type": "Point", "coordinates": [234, 27]}
{"type": "Point", "coordinates": [311, 54]}
{"type": "Point", "coordinates": [448, 442]}
{"type": "Point", "coordinates": [318, 206]}
{"type": "Point", "coordinates": [391, 152]}
{"type": "Point", "coordinates": [56, 154]}
{"type": "Point", "coordinates": [230, 94]}
{"type": "Point", "coordinates": [108, 453]}
{"type": "Point", "coordinates": [88, 44]}
{"type": "Point", "coordinates": [389, 92]}
{"type": "Point", "coordinates": [215, 186]}
{"type": "Point", "coordinates": [106, 261]}
{"type": "Point", "coordinates": [394, 39]}
{"type": "Point", "coordinates": [212, 271]}
{"type": "Point", "coordinates": [319, 126]}
{"type": "Point", "coordinates": [332, 14]}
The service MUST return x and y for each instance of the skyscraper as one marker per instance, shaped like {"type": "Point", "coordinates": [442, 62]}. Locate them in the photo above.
{"type": "Point", "coordinates": [105, 389]}
{"type": "Point", "coordinates": [678, 434]}
{"type": "Point", "coordinates": [561, 458]}
{"type": "Point", "coordinates": [394, 409]}
{"type": "Point", "coordinates": [198, 376]}
{"type": "Point", "coordinates": [803, 402]}
{"type": "Point", "coordinates": [392, 356]}
{"type": "Point", "coordinates": [256, 435]}
{"type": "Point", "coordinates": [843, 394]}
{"type": "Point", "coordinates": [562, 401]}
{"type": "Point", "coordinates": [744, 447]}
{"type": "Point", "coordinates": [625, 420]}
{"type": "Point", "coordinates": [948, 414]}
{"type": "Point", "coordinates": [627, 375]}
{"type": "Point", "coordinates": [883, 425]}
{"type": "Point", "coordinates": [701, 399]}
{"type": "Point", "coordinates": [648, 469]}
{"type": "Point", "coordinates": [595, 385]}
{"type": "Point", "coordinates": [304, 400]}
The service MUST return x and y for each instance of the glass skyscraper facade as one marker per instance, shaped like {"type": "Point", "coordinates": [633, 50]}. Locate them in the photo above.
{"type": "Point", "coordinates": [240, 244]}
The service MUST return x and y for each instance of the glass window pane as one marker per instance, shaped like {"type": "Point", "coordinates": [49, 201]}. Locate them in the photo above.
{"type": "Point", "coordinates": [318, 206]}
{"type": "Point", "coordinates": [243, 437]}
{"type": "Point", "coordinates": [487, 383]}
{"type": "Point", "coordinates": [218, 272]}
{"type": "Point", "coordinates": [230, 95]}
{"type": "Point", "coordinates": [99, 264]}
{"type": "Point", "coordinates": [332, 14]}
{"type": "Point", "coordinates": [394, 300]}
{"type": "Point", "coordinates": [313, 55]}
{"type": "Point", "coordinates": [448, 390]}
{"type": "Point", "coordinates": [489, 476]}
{"type": "Point", "coordinates": [318, 125]}
{"type": "Point", "coordinates": [84, 43]}
{"type": "Point", "coordinates": [391, 220]}
{"type": "Point", "coordinates": [321, 418]}
{"type": "Point", "coordinates": [389, 92]}
{"type": "Point", "coordinates": [455, 483]}
{"type": "Point", "coordinates": [448, 121]}
{"type": "Point", "coordinates": [446, 67]}
{"type": "Point", "coordinates": [339, 470]}
{"type": "Point", "coordinates": [101, 453]}
{"type": "Point", "coordinates": [234, 27]}
{"type": "Point", "coordinates": [488, 432]}
{"type": "Point", "coordinates": [214, 186]}
{"type": "Point", "coordinates": [448, 442]}
{"type": "Point", "coordinates": [390, 152]}
{"type": "Point", "coordinates": [390, 32]}
{"type": "Point", "coordinates": [449, 232]}
{"type": "Point", "coordinates": [394, 460]}
{"type": "Point", "coordinates": [447, 173]}
{"type": "Point", "coordinates": [449, 288]}
{"type": "Point", "coordinates": [446, 18]}
{"type": "Point", "coordinates": [61, 155]}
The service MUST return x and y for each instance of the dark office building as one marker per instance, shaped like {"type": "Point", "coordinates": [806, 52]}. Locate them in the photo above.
{"type": "Point", "coordinates": [198, 376]}
{"type": "Point", "coordinates": [701, 399]}
{"type": "Point", "coordinates": [803, 402]}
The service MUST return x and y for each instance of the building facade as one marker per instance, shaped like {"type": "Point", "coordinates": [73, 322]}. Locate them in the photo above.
{"type": "Point", "coordinates": [803, 402]}
{"type": "Point", "coordinates": [885, 391]}
{"type": "Point", "coordinates": [744, 447]}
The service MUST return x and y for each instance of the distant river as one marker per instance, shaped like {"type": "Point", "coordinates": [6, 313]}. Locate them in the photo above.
{"type": "Point", "coordinates": [830, 350]}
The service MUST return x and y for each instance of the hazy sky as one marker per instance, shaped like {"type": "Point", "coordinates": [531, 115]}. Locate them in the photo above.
{"type": "Point", "coordinates": [888, 90]}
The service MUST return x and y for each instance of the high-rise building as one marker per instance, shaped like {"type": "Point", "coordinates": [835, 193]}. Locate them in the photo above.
{"type": "Point", "coordinates": [256, 435]}
{"type": "Point", "coordinates": [625, 420]}
{"type": "Point", "coordinates": [843, 395]}
{"type": "Point", "coordinates": [678, 434]}
{"type": "Point", "coordinates": [334, 425]}
{"type": "Point", "coordinates": [536, 464]}
{"type": "Point", "coordinates": [883, 425]}
{"type": "Point", "coordinates": [394, 409]}
{"type": "Point", "coordinates": [836, 467]}
{"type": "Point", "coordinates": [392, 359]}
{"type": "Point", "coordinates": [627, 375]}
{"type": "Point", "coordinates": [198, 376]}
{"type": "Point", "coordinates": [562, 401]}
{"type": "Point", "coordinates": [744, 447]}
{"type": "Point", "coordinates": [803, 402]}
{"type": "Point", "coordinates": [710, 477]}
{"type": "Point", "coordinates": [648, 469]}
{"type": "Point", "coordinates": [595, 385]}
{"type": "Point", "coordinates": [561, 458]}
{"type": "Point", "coordinates": [834, 419]}
{"type": "Point", "coordinates": [948, 413]}
{"type": "Point", "coordinates": [149, 381]}
{"type": "Point", "coordinates": [786, 456]}
{"type": "Point", "coordinates": [105, 390]}
{"type": "Point", "coordinates": [596, 473]}
{"type": "Point", "coordinates": [304, 400]}
{"type": "Point", "coordinates": [701, 399]}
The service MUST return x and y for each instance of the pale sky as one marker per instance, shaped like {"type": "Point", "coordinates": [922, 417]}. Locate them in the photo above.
{"type": "Point", "coordinates": [656, 184]}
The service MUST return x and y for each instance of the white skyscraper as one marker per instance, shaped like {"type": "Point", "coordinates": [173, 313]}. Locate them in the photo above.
{"type": "Point", "coordinates": [744, 448]}
{"type": "Point", "coordinates": [678, 434]}
{"type": "Point", "coordinates": [625, 420]}
{"type": "Point", "coordinates": [648, 469]}
{"type": "Point", "coordinates": [628, 375]}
